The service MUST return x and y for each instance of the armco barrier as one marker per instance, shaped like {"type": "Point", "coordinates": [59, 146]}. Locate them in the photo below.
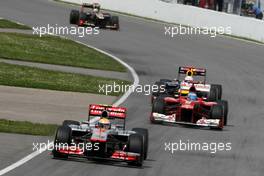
{"type": "Point", "coordinates": [186, 15]}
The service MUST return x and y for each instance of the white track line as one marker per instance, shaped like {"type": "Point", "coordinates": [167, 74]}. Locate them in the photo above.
{"type": "Point", "coordinates": [24, 160]}
{"type": "Point", "coordinates": [117, 103]}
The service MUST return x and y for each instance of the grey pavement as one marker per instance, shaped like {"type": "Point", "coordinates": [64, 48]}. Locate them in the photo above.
{"type": "Point", "coordinates": [235, 64]}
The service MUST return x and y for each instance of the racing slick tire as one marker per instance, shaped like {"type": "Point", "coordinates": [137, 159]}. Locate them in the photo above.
{"type": "Point", "coordinates": [218, 87]}
{"type": "Point", "coordinates": [224, 104]}
{"type": "Point", "coordinates": [213, 94]}
{"type": "Point", "coordinates": [216, 111]}
{"type": "Point", "coordinates": [158, 92]}
{"type": "Point", "coordinates": [159, 105]}
{"type": "Point", "coordinates": [115, 22]}
{"type": "Point", "coordinates": [165, 80]}
{"type": "Point", "coordinates": [136, 145]}
{"type": "Point", "coordinates": [70, 122]}
{"type": "Point", "coordinates": [157, 83]}
{"type": "Point", "coordinates": [74, 17]}
{"type": "Point", "coordinates": [62, 137]}
{"type": "Point", "coordinates": [144, 133]}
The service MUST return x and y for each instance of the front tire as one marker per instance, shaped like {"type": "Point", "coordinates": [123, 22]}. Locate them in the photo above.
{"type": "Point", "coordinates": [136, 145]}
{"type": "Point", "coordinates": [62, 138]}
{"type": "Point", "coordinates": [70, 122]}
{"type": "Point", "coordinates": [224, 104]}
{"type": "Point", "coordinates": [158, 106]}
{"type": "Point", "coordinates": [216, 112]}
{"type": "Point", "coordinates": [144, 133]}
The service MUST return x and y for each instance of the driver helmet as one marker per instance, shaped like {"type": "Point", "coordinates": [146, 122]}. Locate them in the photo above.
{"type": "Point", "coordinates": [192, 96]}
{"type": "Point", "coordinates": [95, 10]}
{"type": "Point", "coordinates": [104, 123]}
{"type": "Point", "coordinates": [96, 7]}
{"type": "Point", "coordinates": [104, 114]}
{"type": "Point", "coordinates": [251, 3]}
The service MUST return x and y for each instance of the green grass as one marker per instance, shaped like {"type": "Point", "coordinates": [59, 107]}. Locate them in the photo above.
{"type": "Point", "coordinates": [25, 127]}
{"type": "Point", "coordinates": [54, 50]}
{"type": "Point", "coordinates": [12, 25]}
{"type": "Point", "coordinates": [23, 76]}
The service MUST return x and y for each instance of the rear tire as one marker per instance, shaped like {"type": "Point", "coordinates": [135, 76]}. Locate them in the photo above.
{"type": "Point", "coordinates": [136, 145]}
{"type": "Point", "coordinates": [115, 22]}
{"type": "Point", "coordinates": [144, 133]}
{"type": "Point", "coordinates": [218, 87]}
{"type": "Point", "coordinates": [213, 94]}
{"type": "Point", "coordinates": [74, 17]}
{"type": "Point", "coordinates": [165, 80]}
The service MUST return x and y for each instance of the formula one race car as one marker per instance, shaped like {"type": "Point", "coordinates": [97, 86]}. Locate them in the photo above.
{"type": "Point", "coordinates": [189, 110]}
{"type": "Point", "coordinates": [102, 137]}
{"type": "Point", "coordinates": [93, 17]}
{"type": "Point", "coordinates": [192, 76]}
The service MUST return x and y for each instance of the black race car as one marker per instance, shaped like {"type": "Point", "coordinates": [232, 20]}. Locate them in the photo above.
{"type": "Point", "coordinates": [102, 137]}
{"type": "Point", "coordinates": [90, 15]}
{"type": "Point", "coordinates": [210, 92]}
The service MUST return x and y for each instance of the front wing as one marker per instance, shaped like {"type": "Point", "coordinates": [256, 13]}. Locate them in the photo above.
{"type": "Point", "coordinates": [118, 155]}
{"type": "Point", "coordinates": [203, 122]}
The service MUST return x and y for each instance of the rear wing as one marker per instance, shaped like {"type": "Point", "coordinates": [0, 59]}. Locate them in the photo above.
{"type": "Point", "coordinates": [192, 71]}
{"type": "Point", "coordinates": [113, 112]}
{"type": "Point", "coordinates": [88, 5]}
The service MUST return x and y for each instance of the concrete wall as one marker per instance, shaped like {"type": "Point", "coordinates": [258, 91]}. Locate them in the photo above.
{"type": "Point", "coordinates": [186, 15]}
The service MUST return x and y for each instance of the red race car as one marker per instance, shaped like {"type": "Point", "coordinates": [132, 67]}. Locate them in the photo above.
{"type": "Point", "coordinates": [189, 110]}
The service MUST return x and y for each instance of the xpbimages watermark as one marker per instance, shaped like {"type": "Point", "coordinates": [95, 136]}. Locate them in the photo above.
{"type": "Point", "coordinates": [88, 146]}
{"type": "Point", "coordinates": [65, 30]}
{"type": "Point", "coordinates": [211, 147]}
{"type": "Point", "coordinates": [122, 88]}
{"type": "Point", "coordinates": [173, 31]}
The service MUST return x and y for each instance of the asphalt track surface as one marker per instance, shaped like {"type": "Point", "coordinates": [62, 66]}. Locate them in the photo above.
{"type": "Point", "coordinates": [9, 143]}
{"type": "Point", "coordinates": [237, 65]}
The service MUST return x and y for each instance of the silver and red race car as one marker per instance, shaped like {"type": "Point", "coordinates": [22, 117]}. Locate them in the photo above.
{"type": "Point", "coordinates": [90, 15]}
{"type": "Point", "coordinates": [210, 92]}
{"type": "Point", "coordinates": [102, 137]}
{"type": "Point", "coordinates": [188, 111]}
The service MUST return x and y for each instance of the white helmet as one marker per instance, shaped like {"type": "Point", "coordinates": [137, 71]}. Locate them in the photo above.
{"type": "Point", "coordinates": [95, 10]}
{"type": "Point", "coordinates": [188, 78]}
